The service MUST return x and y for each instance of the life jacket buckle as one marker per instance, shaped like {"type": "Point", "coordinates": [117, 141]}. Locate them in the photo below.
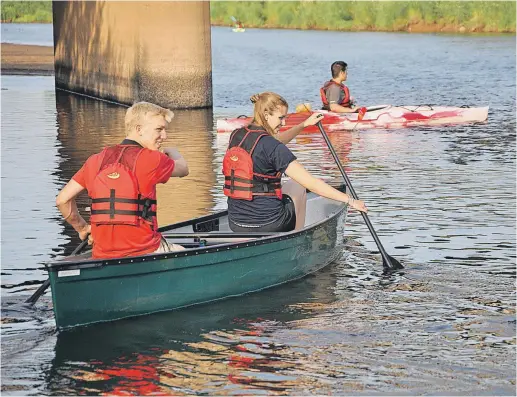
{"type": "Point", "coordinates": [147, 206]}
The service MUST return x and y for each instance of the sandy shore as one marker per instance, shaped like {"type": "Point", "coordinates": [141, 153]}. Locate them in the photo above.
{"type": "Point", "coordinates": [27, 59]}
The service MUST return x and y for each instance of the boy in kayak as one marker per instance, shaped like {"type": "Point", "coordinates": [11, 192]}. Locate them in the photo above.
{"type": "Point", "coordinates": [121, 181]}
{"type": "Point", "coordinates": [334, 94]}
{"type": "Point", "coordinates": [253, 166]}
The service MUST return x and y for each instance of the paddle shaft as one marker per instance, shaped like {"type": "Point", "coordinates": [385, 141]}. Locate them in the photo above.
{"type": "Point", "coordinates": [386, 258]}
{"type": "Point", "coordinates": [43, 287]}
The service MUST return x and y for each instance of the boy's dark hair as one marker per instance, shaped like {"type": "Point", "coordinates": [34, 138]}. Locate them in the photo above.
{"type": "Point", "coordinates": [337, 67]}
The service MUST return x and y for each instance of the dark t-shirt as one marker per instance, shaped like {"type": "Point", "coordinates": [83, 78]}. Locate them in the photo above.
{"type": "Point", "coordinates": [269, 157]}
{"type": "Point", "coordinates": [334, 94]}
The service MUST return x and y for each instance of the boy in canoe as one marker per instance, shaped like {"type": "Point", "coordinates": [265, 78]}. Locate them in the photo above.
{"type": "Point", "coordinates": [121, 181]}
{"type": "Point", "coordinates": [253, 165]}
{"type": "Point", "coordinates": [335, 96]}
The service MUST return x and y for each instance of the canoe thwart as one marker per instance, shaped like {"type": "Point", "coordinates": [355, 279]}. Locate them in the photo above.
{"type": "Point", "coordinates": [229, 235]}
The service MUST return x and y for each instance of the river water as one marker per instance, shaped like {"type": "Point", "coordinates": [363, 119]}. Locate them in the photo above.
{"type": "Point", "coordinates": [442, 200]}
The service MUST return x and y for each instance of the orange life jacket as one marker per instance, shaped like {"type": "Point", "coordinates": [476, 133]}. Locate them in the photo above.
{"type": "Point", "coordinates": [116, 197]}
{"type": "Point", "coordinates": [240, 182]}
{"type": "Point", "coordinates": [346, 95]}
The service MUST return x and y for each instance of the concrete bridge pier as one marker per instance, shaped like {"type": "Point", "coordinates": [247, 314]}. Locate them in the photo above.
{"type": "Point", "coordinates": [135, 51]}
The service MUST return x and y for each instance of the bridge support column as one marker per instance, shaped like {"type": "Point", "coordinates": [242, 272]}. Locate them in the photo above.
{"type": "Point", "coordinates": [135, 51]}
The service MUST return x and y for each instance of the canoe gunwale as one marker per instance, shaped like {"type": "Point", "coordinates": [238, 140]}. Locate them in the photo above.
{"type": "Point", "coordinates": [90, 263]}
{"type": "Point", "coordinates": [226, 246]}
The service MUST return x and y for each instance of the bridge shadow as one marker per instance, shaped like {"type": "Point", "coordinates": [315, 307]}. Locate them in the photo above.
{"type": "Point", "coordinates": [87, 58]}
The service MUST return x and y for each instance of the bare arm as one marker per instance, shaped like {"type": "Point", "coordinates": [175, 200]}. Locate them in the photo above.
{"type": "Point", "coordinates": [287, 136]}
{"type": "Point", "coordinates": [334, 107]}
{"type": "Point", "coordinates": [67, 205]}
{"type": "Point", "coordinates": [180, 164]}
{"type": "Point", "coordinates": [298, 173]}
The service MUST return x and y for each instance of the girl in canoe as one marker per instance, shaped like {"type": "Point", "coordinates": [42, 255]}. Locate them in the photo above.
{"type": "Point", "coordinates": [253, 165]}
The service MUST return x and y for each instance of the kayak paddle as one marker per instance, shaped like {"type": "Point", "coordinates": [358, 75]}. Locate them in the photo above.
{"type": "Point", "coordinates": [388, 262]}
{"type": "Point", "coordinates": [36, 295]}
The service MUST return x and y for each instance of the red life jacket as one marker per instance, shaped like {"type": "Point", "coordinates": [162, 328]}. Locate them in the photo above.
{"type": "Point", "coordinates": [346, 95]}
{"type": "Point", "coordinates": [240, 182]}
{"type": "Point", "coordinates": [116, 198]}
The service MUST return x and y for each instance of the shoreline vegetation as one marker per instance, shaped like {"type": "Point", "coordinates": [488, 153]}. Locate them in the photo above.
{"type": "Point", "coordinates": [376, 16]}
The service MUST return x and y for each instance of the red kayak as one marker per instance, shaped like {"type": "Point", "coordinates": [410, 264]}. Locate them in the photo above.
{"type": "Point", "coordinates": [381, 116]}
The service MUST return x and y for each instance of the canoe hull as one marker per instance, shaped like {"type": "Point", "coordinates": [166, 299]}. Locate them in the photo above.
{"type": "Point", "coordinates": [108, 290]}
{"type": "Point", "coordinates": [382, 116]}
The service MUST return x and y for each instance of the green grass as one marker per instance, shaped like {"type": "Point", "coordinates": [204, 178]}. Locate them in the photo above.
{"type": "Point", "coordinates": [478, 16]}
{"type": "Point", "coordinates": [26, 11]}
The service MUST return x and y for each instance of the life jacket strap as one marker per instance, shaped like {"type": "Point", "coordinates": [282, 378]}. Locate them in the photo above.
{"type": "Point", "coordinates": [121, 212]}
{"type": "Point", "coordinates": [257, 187]}
{"type": "Point", "coordinates": [244, 180]}
{"type": "Point", "coordinates": [262, 189]}
{"type": "Point", "coordinates": [145, 213]}
{"type": "Point", "coordinates": [124, 200]}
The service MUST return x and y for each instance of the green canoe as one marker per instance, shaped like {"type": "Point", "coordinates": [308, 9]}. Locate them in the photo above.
{"type": "Point", "coordinates": [217, 264]}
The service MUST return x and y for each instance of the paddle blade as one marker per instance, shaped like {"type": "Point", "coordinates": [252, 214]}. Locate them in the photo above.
{"type": "Point", "coordinates": [303, 107]}
{"type": "Point", "coordinates": [43, 287]}
{"type": "Point", "coordinates": [34, 297]}
{"type": "Point", "coordinates": [390, 264]}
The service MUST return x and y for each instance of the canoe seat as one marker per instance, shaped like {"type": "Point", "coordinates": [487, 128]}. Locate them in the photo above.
{"type": "Point", "coordinates": [195, 240]}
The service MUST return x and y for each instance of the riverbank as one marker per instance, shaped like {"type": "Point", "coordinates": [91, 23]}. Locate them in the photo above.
{"type": "Point", "coordinates": [356, 16]}
{"type": "Point", "coordinates": [371, 16]}
{"type": "Point", "coordinates": [419, 27]}
{"type": "Point", "coordinates": [27, 60]}
{"type": "Point", "coordinates": [409, 27]}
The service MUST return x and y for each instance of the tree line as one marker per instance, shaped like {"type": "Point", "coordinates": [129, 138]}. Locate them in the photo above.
{"type": "Point", "coordinates": [463, 16]}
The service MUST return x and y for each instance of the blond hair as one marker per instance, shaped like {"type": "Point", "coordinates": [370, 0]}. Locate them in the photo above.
{"type": "Point", "coordinates": [136, 114]}
{"type": "Point", "coordinates": [266, 102]}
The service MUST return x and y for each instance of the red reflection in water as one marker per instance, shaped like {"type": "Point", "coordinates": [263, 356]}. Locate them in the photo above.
{"type": "Point", "coordinates": [139, 377]}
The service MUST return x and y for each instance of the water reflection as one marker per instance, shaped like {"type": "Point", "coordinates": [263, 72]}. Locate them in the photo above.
{"type": "Point", "coordinates": [224, 348]}
{"type": "Point", "coordinates": [29, 156]}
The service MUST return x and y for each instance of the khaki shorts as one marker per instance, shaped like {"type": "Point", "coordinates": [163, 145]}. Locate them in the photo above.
{"type": "Point", "coordinates": [168, 247]}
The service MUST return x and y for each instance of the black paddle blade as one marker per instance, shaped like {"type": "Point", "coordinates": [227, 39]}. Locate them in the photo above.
{"type": "Point", "coordinates": [392, 266]}
{"type": "Point", "coordinates": [32, 300]}
{"type": "Point", "coordinates": [38, 292]}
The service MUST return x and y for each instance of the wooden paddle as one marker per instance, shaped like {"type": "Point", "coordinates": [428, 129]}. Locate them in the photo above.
{"type": "Point", "coordinates": [388, 262]}
{"type": "Point", "coordinates": [36, 295]}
